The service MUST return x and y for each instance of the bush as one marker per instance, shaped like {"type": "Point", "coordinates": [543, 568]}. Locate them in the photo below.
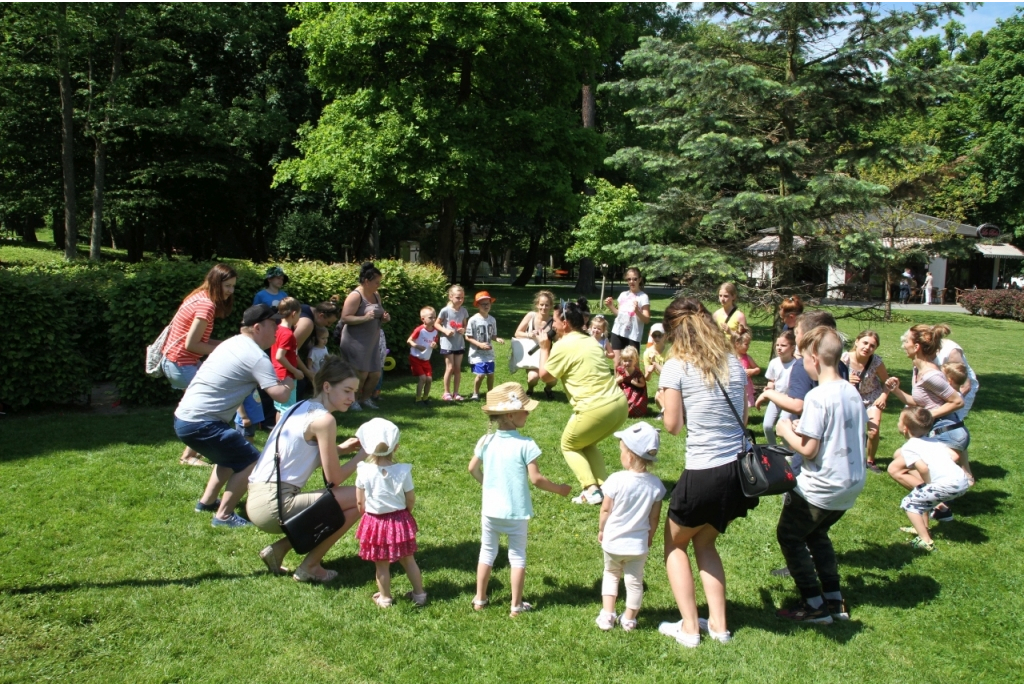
{"type": "Point", "coordinates": [73, 325]}
{"type": "Point", "coordinates": [998, 304]}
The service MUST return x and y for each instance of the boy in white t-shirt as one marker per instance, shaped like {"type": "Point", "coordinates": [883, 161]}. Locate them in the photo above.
{"type": "Point", "coordinates": [830, 436]}
{"type": "Point", "coordinates": [777, 376]}
{"type": "Point", "coordinates": [422, 341]}
{"type": "Point", "coordinates": [481, 331]}
{"type": "Point", "coordinates": [928, 469]}
{"type": "Point", "coordinates": [629, 517]}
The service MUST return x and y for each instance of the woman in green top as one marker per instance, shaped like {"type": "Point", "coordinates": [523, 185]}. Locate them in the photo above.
{"type": "Point", "coordinates": [599, 406]}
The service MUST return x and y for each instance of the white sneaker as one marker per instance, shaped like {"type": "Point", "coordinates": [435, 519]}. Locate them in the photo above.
{"type": "Point", "coordinates": [675, 630]}
{"type": "Point", "coordinates": [589, 497]}
{"type": "Point", "coordinates": [605, 621]}
{"type": "Point", "coordinates": [370, 403]}
{"type": "Point", "coordinates": [724, 638]}
{"type": "Point", "coordinates": [356, 406]}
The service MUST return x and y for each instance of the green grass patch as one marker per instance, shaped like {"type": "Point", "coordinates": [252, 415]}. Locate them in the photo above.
{"type": "Point", "coordinates": [108, 575]}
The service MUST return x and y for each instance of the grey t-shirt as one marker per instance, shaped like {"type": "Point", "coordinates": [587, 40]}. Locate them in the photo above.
{"type": "Point", "coordinates": [713, 435]}
{"type": "Point", "coordinates": [231, 373]}
{"type": "Point", "coordinates": [834, 415]}
{"type": "Point", "coordinates": [483, 330]}
{"type": "Point", "coordinates": [448, 316]}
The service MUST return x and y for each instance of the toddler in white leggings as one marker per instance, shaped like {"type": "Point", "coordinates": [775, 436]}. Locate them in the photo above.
{"type": "Point", "coordinates": [629, 517]}
{"type": "Point", "coordinates": [509, 464]}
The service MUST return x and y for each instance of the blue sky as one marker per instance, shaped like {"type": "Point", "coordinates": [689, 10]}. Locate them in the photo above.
{"type": "Point", "coordinates": [980, 19]}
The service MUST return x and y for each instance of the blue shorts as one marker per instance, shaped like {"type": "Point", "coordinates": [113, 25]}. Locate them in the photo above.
{"type": "Point", "coordinates": [283, 406]}
{"type": "Point", "coordinates": [958, 439]}
{"type": "Point", "coordinates": [218, 442]}
{"type": "Point", "coordinates": [254, 410]}
{"type": "Point", "coordinates": [178, 376]}
{"type": "Point", "coordinates": [247, 431]}
{"type": "Point", "coordinates": [483, 368]}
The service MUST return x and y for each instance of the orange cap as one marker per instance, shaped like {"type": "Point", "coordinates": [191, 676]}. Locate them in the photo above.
{"type": "Point", "coordinates": [481, 295]}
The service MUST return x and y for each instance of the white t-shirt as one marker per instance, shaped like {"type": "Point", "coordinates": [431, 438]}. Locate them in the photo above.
{"type": "Point", "coordinates": [626, 323]}
{"type": "Point", "coordinates": [629, 523]}
{"type": "Point", "coordinates": [713, 435]}
{"type": "Point", "coordinates": [385, 486]}
{"type": "Point", "coordinates": [317, 355]}
{"type": "Point", "coordinates": [779, 372]}
{"type": "Point", "coordinates": [482, 329]}
{"type": "Point", "coordinates": [299, 457]}
{"type": "Point", "coordinates": [228, 376]}
{"type": "Point", "coordinates": [421, 336]}
{"type": "Point", "coordinates": [941, 467]}
{"type": "Point", "coordinates": [834, 415]}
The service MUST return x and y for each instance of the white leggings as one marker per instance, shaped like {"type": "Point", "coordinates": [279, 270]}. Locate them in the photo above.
{"type": "Point", "coordinates": [492, 529]}
{"type": "Point", "coordinates": [771, 416]}
{"type": "Point", "coordinates": [632, 567]}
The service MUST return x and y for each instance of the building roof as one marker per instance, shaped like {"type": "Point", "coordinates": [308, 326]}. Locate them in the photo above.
{"type": "Point", "coordinates": [1001, 250]}
{"type": "Point", "coordinates": [913, 223]}
{"type": "Point", "coordinates": [770, 243]}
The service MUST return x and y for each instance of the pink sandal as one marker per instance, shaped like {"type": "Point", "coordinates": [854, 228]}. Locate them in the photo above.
{"type": "Point", "coordinates": [458, 398]}
{"type": "Point", "coordinates": [447, 397]}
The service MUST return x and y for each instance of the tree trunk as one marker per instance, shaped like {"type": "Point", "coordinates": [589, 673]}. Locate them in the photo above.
{"type": "Point", "coordinates": [100, 157]}
{"type": "Point", "coordinates": [589, 106]}
{"type": "Point", "coordinates": [57, 225]}
{"type": "Point", "coordinates": [531, 258]}
{"type": "Point", "coordinates": [67, 142]}
{"type": "Point", "coordinates": [888, 294]}
{"type": "Point", "coordinates": [585, 282]}
{"type": "Point", "coordinates": [446, 238]}
{"type": "Point", "coordinates": [113, 232]}
{"type": "Point", "coordinates": [28, 231]}
{"type": "Point", "coordinates": [466, 279]}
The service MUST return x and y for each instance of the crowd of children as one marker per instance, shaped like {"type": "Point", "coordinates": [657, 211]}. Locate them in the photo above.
{"type": "Point", "coordinates": [823, 402]}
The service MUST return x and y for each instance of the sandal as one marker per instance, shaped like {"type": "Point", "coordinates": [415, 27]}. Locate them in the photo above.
{"type": "Point", "coordinates": [479, 604]}
{"type": "Point", "coordinates": [193, 461]}
{"type": "Point", "coordinates": [274, 564]}
{"type": "Point", "coordinates": [418, 600]}
{"type": "Point", "coordinates": [381, 601]}
{"type": "Point", "coordinates": [304, 576]}
{"type": "Point", "coordinates": [458, 398]}
{"type": "Point", "coordinates": [447, 397]}
{"type": "Point", "coordinates": [872, 466]}
{"type": "Point", "coordinates": [522, 608]}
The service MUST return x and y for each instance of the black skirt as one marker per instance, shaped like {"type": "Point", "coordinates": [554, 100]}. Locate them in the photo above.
{"type": "Point", "coordinates": [710, 497]}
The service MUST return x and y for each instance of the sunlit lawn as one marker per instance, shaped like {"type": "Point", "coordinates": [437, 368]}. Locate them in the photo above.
{"type": "Point", "coordinates": [106, 574]}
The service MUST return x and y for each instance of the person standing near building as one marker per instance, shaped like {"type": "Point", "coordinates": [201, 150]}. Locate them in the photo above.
{"type": "Point", "coordinates": [929, 282]}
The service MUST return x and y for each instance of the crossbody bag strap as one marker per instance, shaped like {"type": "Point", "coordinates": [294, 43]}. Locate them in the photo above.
{"type": "Point", "coordinates": [732, 408]}
{"type": "Point", "coordinates": [727, 318]}
{"type": "Point", "coordinates": [277, 457]}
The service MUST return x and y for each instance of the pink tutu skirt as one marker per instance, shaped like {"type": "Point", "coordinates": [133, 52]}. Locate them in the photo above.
{"type": "Point", "coordinates": [387, 537]}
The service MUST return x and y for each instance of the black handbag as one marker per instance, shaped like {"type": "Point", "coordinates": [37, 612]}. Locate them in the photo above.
{"type": "Point", "coordinates": [764, 469]}
{"type": "Point", "coordinates": [316, 523]}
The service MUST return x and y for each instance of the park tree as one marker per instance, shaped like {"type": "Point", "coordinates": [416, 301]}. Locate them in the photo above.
{"type": "Point", "coordinates": [471, 108]}
{"type": "Point", "coordinates": [759, 122]}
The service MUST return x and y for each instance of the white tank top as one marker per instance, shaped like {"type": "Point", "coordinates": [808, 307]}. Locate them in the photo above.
{"type": "Point", "coordinates": [299, 457]}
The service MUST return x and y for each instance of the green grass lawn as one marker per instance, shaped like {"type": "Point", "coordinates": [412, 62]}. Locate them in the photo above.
{"type": "Point", "coordinates": [108, 575]}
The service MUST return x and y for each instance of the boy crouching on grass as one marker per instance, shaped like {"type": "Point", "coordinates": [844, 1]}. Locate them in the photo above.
{"type": "Point", "coordinates": [928, 469]}
{"type": "Point", "coordinates": [830, 436]}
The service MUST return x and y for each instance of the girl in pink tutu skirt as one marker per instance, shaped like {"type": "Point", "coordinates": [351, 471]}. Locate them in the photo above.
{"type": "Point", "coordinates": [385, 497]}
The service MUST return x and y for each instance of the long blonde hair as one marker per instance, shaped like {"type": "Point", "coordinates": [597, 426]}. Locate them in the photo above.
{"type": "Point", "coordinates": [695, 338]}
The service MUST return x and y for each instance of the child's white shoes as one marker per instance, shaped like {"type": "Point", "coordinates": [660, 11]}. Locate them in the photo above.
{"type": "Point", "coordinates": [605, 621]}
{"type": "Point", "coordinates": [627, 624]}
{"type": "Point", "coordinates": [724, 638]}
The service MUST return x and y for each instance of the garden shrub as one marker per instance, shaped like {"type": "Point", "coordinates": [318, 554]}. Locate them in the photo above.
{"type": "Point", "coordinates": [998, 304]}
{"type": "Point", "coordinates": [73, 325]}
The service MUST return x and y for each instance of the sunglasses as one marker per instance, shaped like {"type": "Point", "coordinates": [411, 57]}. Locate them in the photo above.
{"type": "Point", "coordinates": [657, 335]}
{"type": "Point", "coordinates": [632, 280]}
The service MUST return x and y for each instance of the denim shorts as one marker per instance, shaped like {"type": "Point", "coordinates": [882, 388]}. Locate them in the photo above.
{"type": "Point", "coordinates": [483, 368]}
{"type": "Point", "coordinates": [218, 442]}
{"type": "Point", "coordinates": [957, 439]}
{"type": "Point", "coordinates": [179, 376]}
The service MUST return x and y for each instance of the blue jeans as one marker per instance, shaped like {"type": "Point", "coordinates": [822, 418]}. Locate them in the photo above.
{"type": "Point", "coordinates": [178, 376]}
{"type": "Point", "coordinates": [218, 442]}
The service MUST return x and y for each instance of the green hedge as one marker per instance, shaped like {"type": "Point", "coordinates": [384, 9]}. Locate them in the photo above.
{"type": "Point", "coordinates": [73, 325]}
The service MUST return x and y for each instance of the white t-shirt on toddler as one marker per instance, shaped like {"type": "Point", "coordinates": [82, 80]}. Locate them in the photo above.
{"type": "Point", "coordinates": [941, 467]}
{"type": "Point", "coordinates": [778, 371]}
{"type": "Point", "coordinates": [629, 523]}
{"type": "Point", "coordinates": [385, 486]}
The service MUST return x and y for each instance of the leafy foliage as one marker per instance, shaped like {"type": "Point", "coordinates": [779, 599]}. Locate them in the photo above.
{"type": "Point", "coordinates": [998, 304]}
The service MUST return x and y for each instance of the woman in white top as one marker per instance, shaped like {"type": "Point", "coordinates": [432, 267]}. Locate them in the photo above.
{"type": "Point", "coordinates": [949, 351]}
{"type": "Point", "coordinates": [708, 494]}
{"type": "Point", "coordinates": [632, 312]}
{"type": "Point", "coordinates": [308, 434]}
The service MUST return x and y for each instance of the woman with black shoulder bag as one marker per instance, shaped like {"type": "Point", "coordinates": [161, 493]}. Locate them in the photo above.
{"type": "Point", "coordinates": [302, 440]}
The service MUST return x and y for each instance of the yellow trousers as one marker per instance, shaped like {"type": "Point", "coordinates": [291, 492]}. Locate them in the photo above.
{"type": "Point", "coordinates": [581, 435]}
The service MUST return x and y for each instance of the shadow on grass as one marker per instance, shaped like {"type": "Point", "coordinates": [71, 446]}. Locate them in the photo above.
{"type": "Point", "coordinates": [128, 582]}
{"type": "Point", "coordinates": [977, 502]}
{"type": "Point", "coordinates": [999, 392]}
{"type": "Point", "coordinates": [905, 592]}
{"type": "Point", "coordinates": [875, 556]}
{"type": "Point", "coordinates": [984, 471]}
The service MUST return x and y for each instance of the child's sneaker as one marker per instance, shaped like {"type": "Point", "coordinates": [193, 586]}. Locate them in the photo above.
{"type": "Point", "coordinates": [724, 638]}
{"type": "Point", "coordinates": [605, 621]}
{"type": "Point", "coordinates": [805, 613]}
{"type": "Point", "coordinates": [838, 608]}
{"type": "Point", "coordinates": [918, 543]}
{"type": "Point", "coordinates": [356, 406]}
{"type": "Point", "coordinates": [627, 624]}
{"type": "Point", "coordinates": [474, 397]}
{"type": "Point", "coordinates": [589, 497]}
{"type": "Point", "coordinates": [675, 630]}
{"type": "Point", "coordinates": [370, 403]}
{"type": "Point", "coordinates": [942, 514]}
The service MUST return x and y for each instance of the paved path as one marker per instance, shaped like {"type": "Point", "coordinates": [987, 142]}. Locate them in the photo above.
{"type": "Point", "coordinates": [897, 307]}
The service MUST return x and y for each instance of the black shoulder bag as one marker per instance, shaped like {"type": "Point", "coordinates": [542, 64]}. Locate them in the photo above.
{"type": "Point", "coordinates": [764, 469]}
{"type": "Point", "coordinates": [316, 523]}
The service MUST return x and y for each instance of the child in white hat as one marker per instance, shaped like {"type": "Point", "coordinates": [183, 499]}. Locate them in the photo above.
{"type": "Point", "coordinates": [385, 498]}
{"type": "Point", "coordinates": [629, 517]}
{"type": "Point", "coordinates": [509, 462]}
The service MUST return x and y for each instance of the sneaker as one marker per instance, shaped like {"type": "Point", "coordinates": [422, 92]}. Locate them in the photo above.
{"type": "Point", "coordinates": [549, 394]}
{"type": "Point", "coordinates": [781, 572]}
{"type": "Point", "coordinates": [201, 508]}
{"type": "Point", "coordinates": [627, 624]}
{"type": "Point", "coordinates": [942, 515]}
{"type": "Point", "coordinates": [918, 543]}
{"type": "Point", "coordinates": [805, 613]}
{"type": "Point", "coordinates": [232, 521]}
{"type": "Point", "coordinates": [908, 529]}
{"type": "Point", "coordinates": [838, 608]}
{"type": "Point", "coordinates": [589, 497]}
{"type": "Point", "coordinates": [872, 466]}
{"type": "Point", "coordinates": [529, 391]}
{"type": "Point", "coordinates": [370, 403]}
{"type": "Point", "coordinates": [474, 397]}
{"type": "Point", "coordinates": [724, 638]}
{"type": "Point", "coordinates": [605, 621]}
{"type": "Point", "coordinates": [675, 630]}
{"type": "Point", "coordinates": [356, 406]}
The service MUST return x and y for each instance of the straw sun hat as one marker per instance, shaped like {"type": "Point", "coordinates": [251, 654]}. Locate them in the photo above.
{"type": "Point", "coordinates": [508, 397]}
